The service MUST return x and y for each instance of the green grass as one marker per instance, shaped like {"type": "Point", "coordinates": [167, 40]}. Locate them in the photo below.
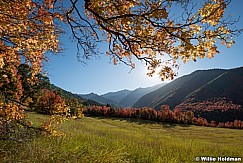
{"type": "Point", "coordinates": [120, 140]}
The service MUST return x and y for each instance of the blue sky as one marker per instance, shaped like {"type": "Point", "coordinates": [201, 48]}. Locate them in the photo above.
{"type": "Point", "coordinates": [100, 76]}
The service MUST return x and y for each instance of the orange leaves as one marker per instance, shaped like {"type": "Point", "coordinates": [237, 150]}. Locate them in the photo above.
{"type": "Point", "coordinates": [22, 28]}
{"type": "Point", "coordinates": [1, 62]}
{"type": "Point", "coordinates": [161, 13]}
{"type": "Point", "coordinates": [108, 38]}
{"type": "Point", "coordinates": [115, 60]}
{"type": "Point", "coordinates": [10, 111]}
{"type": "Point", "coordinates": [144, 29]}
{"type": "Point", "coordinates": [212, 12]}
{"type": "Point", "coordinates": [49, 3]}
{"type": "Point", "coordinates": [167, 73]}
{"type": "Point", "coordinates": [229, 44]}
{"type": "Point", "coordinates": [28, 32]}
{"type": "Point", "coordinates": [131, 30]}
{"type": "Point", "coordinates": [210, 55]}
{"type": "Point", "coordinates": [196, 29]}
{"type": "Point", "coordinates": [51, 103]}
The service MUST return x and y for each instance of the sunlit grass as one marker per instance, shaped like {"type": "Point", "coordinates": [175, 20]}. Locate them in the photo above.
{"type": "Point", "coordinates": [125, 140]}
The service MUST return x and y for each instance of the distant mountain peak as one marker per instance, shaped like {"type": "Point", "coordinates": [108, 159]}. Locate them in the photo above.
{"type": "Point", "coordinates": [126, 98]}
{"type": "Point", "coordinates": [95, 97]}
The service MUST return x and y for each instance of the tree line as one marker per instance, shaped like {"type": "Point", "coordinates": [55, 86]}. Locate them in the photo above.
{"type": "Point", "coordinates": [165, 114]}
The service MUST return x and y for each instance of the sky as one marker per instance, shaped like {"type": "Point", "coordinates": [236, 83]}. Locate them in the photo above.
{"type": "Point", "coordinates": [100, 76]}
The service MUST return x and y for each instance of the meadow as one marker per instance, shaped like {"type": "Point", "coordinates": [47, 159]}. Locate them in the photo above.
{"type": "Point", "coordinates": [97, 139]}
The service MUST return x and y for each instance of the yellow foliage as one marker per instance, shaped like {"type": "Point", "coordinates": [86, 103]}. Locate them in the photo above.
{"type": "Point", "coordinates": [27, 32]}
{"type": "Point", "coordinates": [146, 30]}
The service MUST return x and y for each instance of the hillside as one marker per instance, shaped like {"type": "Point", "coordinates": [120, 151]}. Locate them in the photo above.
{"type": "Point", "coordinates": [99, 99]}
{"type": "Point", "coordinates": [211, 94]}
{"type": "Point", "coordinates": [219, 98]}
{"type": "Point", "coordinates": [70, 96]}
{"type": "Point", "coordinates": [135, 95]}
{"type": "Point", "coordinates": [64, 93]}
{"type": "Point", "coordinates": [174, 93]}
{"type": "Point", "coordinates": [228, 85]}
{"type": "Point", "coordinates": [117, 96]}
{"type": "Point", "coordinates": [126, 98]}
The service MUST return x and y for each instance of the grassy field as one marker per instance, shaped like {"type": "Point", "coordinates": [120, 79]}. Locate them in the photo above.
{"type": "Point", "coordinates": [119, 140]}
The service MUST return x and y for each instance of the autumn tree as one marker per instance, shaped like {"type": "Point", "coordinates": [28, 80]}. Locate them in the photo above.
{"type": "Point", "coordinates": [159, 33]}
{"type": "Point", "coordinates": [50, 103]}
{"type": "Point", "coordinates": [27, 32]}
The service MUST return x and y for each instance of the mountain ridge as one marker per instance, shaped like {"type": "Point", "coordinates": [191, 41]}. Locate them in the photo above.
{"type": "Point", "coordinates": [99, 99]}
{"type": "Point", "coordinates": [135, 95]}
{"type": "Point", "coordinates": [123, 98]}
{"type": "Point", "coordinates": [214, 94]}
{"type": "Point", "coordinates": [117, 95]}
{"type": "Point", "coordinates": [176, 91]}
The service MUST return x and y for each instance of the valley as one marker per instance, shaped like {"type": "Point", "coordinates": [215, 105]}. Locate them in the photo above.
{"type": "Point", "coordinates": [212, 94]}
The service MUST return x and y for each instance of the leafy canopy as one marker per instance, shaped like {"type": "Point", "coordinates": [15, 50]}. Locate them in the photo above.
{"type": "Point", "coordinates": [160, 33]}
{"type": "Point", "coordinates": [27, 32]}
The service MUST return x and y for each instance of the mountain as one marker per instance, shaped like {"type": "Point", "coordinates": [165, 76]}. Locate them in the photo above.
{"type": "Point", "coordinates": [228, 85]}
{"type": "Point", "coordinates": [199, 86]}
{"type": "Point", "coordinates": [71, 96]}
{"type": "Point", "coordinates": [220, 100]}
{"type": "Point", "coordinates": [99, 99]}
{"type": "Point", "coordinates": [65, 94]}
{"type": "Point", "coordinates": [123, 98]}
{"type": "Point", "coordinates": [117, 96]}
{"type": "Point", "coordinates": [135, 95]}
{"type": "Point", "coordinates": [126, 98]}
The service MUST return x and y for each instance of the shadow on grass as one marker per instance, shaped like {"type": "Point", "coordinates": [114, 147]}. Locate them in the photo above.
{"type": "Point", "coordinates": [142, 121]}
